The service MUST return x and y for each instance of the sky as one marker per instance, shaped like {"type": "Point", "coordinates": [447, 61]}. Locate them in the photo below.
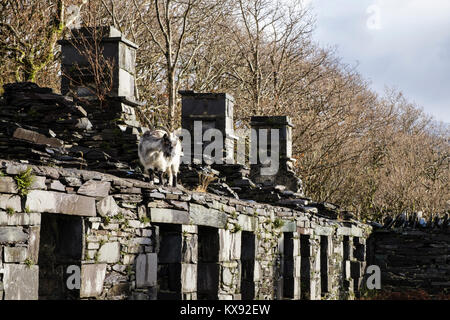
{"type": "Point", "coordinates": [402, 44]}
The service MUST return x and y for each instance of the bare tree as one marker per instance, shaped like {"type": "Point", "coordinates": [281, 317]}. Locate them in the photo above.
{"type": "Point", "coordinates": [29, 30]}
{"type": "Point", "coordinates": [172, 25]}
{"type": "Point", "coordinates": [96, 74]}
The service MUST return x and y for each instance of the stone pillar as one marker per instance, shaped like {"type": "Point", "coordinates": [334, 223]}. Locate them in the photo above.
{"type": "Point", "coordinates": [229, 258]}
{"type": "Point", "coordinates": [114, 47]}
{"type": "Point", "coordinates": [284, 175]}
{"type": "Point", "coordinates": [189, 262]}
{"type": "Point", "coordinates": [210, 111]}
{"type": "Point", "coordinates": [315, 293]}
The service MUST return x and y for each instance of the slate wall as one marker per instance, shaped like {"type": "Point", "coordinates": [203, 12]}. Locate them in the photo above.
{"type": "Point", "coordinates": [412, 259]}
{"type": "Point", "coordinates": [140, 241]}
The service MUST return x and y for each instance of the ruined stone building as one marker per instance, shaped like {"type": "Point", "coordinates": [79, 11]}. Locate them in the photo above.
{"type": "Point", "coordinates": [73, 197]}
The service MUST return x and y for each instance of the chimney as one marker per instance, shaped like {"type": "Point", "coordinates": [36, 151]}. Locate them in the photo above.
{"type": "Point", "coordinates": [284, 175]}
{"type": "Point", "coordinates": [203, 111]}
{"type": "Point", "coordinates": [114, 47]}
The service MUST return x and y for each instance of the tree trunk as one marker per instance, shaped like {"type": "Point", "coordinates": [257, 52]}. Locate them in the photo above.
{"type": "Point", "coordinates": [172, 98]}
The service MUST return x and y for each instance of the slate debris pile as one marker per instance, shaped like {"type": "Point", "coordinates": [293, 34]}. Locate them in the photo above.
{"type": "Point", "coordinates": [51, 129]}
{"type": "Point", "coordinates": [137, 235]}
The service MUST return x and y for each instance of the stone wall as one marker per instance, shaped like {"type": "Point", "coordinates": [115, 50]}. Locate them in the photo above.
{"type": "Point", "coordinates": [133, 240]}
{"type": "Point", "coordinates": [412, 259]}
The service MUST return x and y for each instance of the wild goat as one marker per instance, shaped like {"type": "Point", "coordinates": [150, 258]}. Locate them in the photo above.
{"type": "Point", "coordinates": [160, 151]}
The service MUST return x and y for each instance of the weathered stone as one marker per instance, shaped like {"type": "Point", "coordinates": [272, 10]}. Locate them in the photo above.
{"type": "Point", "coordinates": [119, 268]}
{"type": "Point", "coordinates": [8, 185]}
{"type": "Point", "coordinates": [10, 201]}
{"type": "Point", "coordinates": [36, 138]}
{"type": "Point", "coordinates": [15, 254]}
{"type": "Point", "coordinates": [115, 277]}
{"type": "Point", "coordinates": [180, 205]}
{"type": "Point", "coordinates": [12, 235]}
{"type": "Point", "coordinates": [357, 232]}
{"type": "Point", "coordinates": [344, 231]}
{"type": "Point", "coordinates": [157, 195]}
{"type": "Point", "coordinates": [147, 232]}
{"type": "Point", "coordinates": [169, 216]}
{"type": "Point", "coordinates": [84, 124]}
{"type": "Point", "coordinates": [135, 224]}
{"type": "Point", "coordinates": [142, 212]}
{"type": "Point", "coordinates": [347, 270]}
{"type": "Point", "coordinates": [247, 223]}
{"type": "Point", "coordinates": [109, 252]}
{"type": "Point", "coordinates": [189, 249]}
{"type": "Point", "coordinates": [48, 172]}
{"type": "Point", "coordinates": [230, 245]}
{"type": "Point", "coordinates": [107, 207]}
{"type": "Point", "coordinates": [72, 181]}
{"type": "Point", "coordinates": [93, 246]}
{"type": "Point", "coordinates": [20, 219]}
{"type": "Point", "coordinates": [128, 259]}
{"type": "Point", "coordinates": [140, 241]}
{"type": "Point", "coordinates": [227, 277]}
{"type": "Point", "coordinates": [55, 202]}
{"type": "Point", "coordinates": [119, 289]}
{"type": "Point", "coordinates": [38, 183]}
{"type": "Point", "coordinates": [189, 228]}
{"type": "Point", "coordinates": [289, 226]}
{"type": "Point", "coordinates": [92, 279]}
{"type": "Point", "coordinates": [16, 168]}
{"type": "Point", "coordinates": [33, 243]}
{"type": "Point", "coordinates": [21, 282]}
{"type": "Point", "coordinates": [189, 277]}
{"type": "Point", "coordinates": [203, 216]}
{"type": "Point", "coordinates": [94, 188]}
{"type": "Point", "coordinates": [323, 231]}
{"type": "Point", "coordinates": [146, 270]}
{"type": "Point", "coordinates": [57, 185]}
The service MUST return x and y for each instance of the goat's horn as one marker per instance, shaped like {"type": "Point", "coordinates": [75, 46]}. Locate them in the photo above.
{"type": "Point", "coordinates": [162, 127]}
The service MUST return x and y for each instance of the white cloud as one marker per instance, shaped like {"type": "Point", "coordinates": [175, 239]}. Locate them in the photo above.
{"type": "Point", "coordinates": [407, 45]}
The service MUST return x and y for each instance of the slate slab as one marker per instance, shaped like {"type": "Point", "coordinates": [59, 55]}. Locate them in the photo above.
{"type": "Point", "coordinates": [56, 202]}
{"type": "Point", "coordinates": [21, 282]}
{"type": "Point", "coordinates": [92, 279]}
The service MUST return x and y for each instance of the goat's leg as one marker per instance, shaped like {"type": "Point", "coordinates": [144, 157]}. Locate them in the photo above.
{"type": "Point", "coordinates": [174, 181]}
{"type": "Point", "coordinates": [169, 173]}
{"type": "Point", "coordinates": [174, 172]}
{"type": "Point", "coordinates": [151, 175]}
{"type": "Point", "coordinates": [161, 178]}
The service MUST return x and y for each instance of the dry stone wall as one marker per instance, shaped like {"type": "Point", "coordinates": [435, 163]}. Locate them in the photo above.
{"type": "Point", "coordinates": [133, 240]}
{"type": "Point", "coordinates": [412, 259]}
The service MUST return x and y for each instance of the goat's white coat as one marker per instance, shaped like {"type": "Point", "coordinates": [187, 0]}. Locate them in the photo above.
{"type": "Point", "coordinates": [152, 156]}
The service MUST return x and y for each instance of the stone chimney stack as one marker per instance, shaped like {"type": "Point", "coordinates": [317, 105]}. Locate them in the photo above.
{"type": "Point", "coordinates": [203, 111]}
{"type": "Point", "coordinates": [115, 47]}
{"type": "Point", "coordinates": [284, 175]}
